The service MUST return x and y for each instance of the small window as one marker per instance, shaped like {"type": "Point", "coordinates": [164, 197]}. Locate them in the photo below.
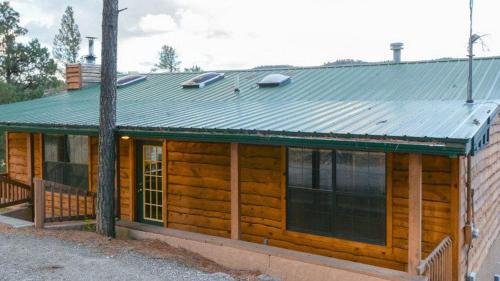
{"type": "Point", "coordinates": [129, 80]}
{"type": "Point", "coordinates": [274, 80]}
{"type": "Point", "coordinates": [66, 160]}
{"type": "Point", "coordinates": [337, 193]}
{"type": "Point", "coordinates": [203, 80]}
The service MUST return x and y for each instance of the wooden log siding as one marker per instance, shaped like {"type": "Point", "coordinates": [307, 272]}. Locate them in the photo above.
{"type": "Point", "coordinates": [199, 191]}
{"type": "Point", "coordinates": [485, 182]}
{"type": "Point", "coordinates": [18, 157]}
{"type": "Point", "coordinates": [263, 210]}
{"type": "Point", "coordinates": [436, 180]}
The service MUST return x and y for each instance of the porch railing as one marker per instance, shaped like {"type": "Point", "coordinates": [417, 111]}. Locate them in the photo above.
{"type": "Point", "coordinates": [438, 265]}
{"type": "Point", "coordinates": [13, 192]}
{"type": "Point", "coordinates": [56, 202]}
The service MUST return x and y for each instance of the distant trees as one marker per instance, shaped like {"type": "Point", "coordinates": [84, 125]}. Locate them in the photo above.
{"type": "Point", "coordinates": [26, 69]}
{"type": "Point", "coordinates": [273, 66]}
{"type": "Point", "coordinates": [344, 62]}
{"type": "Point", "coordinates": [67, 40]}
{"type": "Point", "coordinates": [194, 68]}
{"type": "Point", "coordinates": [168, 59]}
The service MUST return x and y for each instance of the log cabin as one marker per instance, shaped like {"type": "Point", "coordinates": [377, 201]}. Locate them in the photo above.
{"type": "Point", "coordinates": [380, 164]}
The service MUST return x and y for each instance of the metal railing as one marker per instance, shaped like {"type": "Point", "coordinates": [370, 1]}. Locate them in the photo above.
{"type": "Point", "coordinates": [13, 192]}
{"type": "Point", "coordinates": [438, 265]}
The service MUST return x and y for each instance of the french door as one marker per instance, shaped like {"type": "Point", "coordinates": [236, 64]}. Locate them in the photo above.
{"type": "Point", "coordinates": [150, 182]}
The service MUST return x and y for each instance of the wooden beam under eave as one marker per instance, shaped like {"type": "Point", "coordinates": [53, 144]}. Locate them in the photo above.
{"type": "Point", "coordinates": [414, 213]}
{"type": "Point", "coordinates": [235, 193]}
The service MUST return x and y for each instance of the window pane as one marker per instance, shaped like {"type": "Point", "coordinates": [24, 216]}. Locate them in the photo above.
{"type": "Point", "coordinates": [66, 160]}
{"type": "Point", "coordinates": [360, 196]}
{"type": "Point", "coordinates": [78, 149]}
{"type": "Point", "coordinates": [300, 167]}
{"type": "Point", "coordinates": [54, 147]}
{"type": "Point", "coordinates": [309, 210]}
{"type": "Point", "coordinates": [325, 170]}
{"type": "Point", "coordinates": [309, 207]}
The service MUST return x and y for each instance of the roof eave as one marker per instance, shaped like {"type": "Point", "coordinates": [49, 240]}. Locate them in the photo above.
{"type": "Point", "coordinates": [446, 146]}
{"type": "Point", "coordinates": [452, 147]}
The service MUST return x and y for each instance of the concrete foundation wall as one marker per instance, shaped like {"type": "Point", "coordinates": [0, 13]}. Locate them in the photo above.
{"type": "Point", "coordinates": [285, 264]}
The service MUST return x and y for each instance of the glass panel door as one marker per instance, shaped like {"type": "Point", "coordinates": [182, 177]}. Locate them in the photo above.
{"type": "Point", "coordinates": [150, 182]}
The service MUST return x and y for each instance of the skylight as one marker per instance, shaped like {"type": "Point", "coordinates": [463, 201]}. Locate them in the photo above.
{"type": "Point", "coordinates": [203, 80]}
{"type": "Point", "coordinates": [274, 80]}
{"type": "Point", "coordinates": [129, 80]}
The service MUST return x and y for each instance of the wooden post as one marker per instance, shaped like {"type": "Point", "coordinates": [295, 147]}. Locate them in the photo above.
{"type": "Point", "coordinates": [29, 159]}
{"type": "Point", "coordinates": [39, 206]}
{"type": "Point", "coordinates": [117, 180]}
{"type": "Point", "coordinates": [132, 158]}
{"type": "Point", "coordinates": [30, 167]}
{"type": "Point", "coordinates": [414, 213]}
{"type": "Point", "coordinates": [235, 193]}
{"type": "Point", "coordinates": [164, 186]}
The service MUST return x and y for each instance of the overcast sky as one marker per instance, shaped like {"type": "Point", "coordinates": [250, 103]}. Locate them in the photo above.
{"type": "Point", "coordinates": [229, 34]}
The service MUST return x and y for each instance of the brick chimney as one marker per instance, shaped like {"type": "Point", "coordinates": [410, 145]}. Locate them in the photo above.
{"type": "Point", "coordinates": [82, 75]}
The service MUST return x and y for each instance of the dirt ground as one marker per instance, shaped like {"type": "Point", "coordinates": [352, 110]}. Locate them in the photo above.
{"type": "Point", "coordinates": [155, 250]}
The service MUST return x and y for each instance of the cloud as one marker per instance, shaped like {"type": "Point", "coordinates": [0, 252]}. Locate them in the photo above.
{"type": "Point", "coordinates": [157, 23]}
{"type": "Point", "coordinates": [222, 34]}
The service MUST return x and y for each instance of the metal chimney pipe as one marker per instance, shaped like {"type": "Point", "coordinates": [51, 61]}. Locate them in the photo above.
{"type": "Point", "coordinates": [237, 84]}
{"type": "Point", "coordinates": [90, 58]}
{"type": "Point", "coordinates": [396, 51]}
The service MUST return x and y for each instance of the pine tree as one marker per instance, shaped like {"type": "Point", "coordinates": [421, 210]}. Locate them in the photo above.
{"type": "Point", "coordinates": [10, 29]}
{"type": "Point", "coordinates": [26, 69]}
{"type": "Point", "coordinates": [105, 220]}
{"type": "Point", "coordinates": [168, 59]}
{"type": "Point", "coordinates": [67, 41]}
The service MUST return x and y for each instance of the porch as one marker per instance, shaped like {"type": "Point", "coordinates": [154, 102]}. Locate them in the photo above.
{"type": "Point", "coordinates": [239, 191]}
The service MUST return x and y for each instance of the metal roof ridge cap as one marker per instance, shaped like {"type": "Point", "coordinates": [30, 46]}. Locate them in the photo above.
{"type": "Point", "coordinates": [381, 63]}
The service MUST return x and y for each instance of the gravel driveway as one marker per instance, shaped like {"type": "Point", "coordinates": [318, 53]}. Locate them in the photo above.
{"type": "Point", "coordinates": [31, 257]}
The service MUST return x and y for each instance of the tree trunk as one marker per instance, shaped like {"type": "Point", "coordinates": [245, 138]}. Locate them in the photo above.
{"type": "Point", "coordinates": [107, 122]}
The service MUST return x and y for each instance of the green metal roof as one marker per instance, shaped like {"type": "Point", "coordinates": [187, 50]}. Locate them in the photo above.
{"type": "Point", "coordinates": [407, 102]}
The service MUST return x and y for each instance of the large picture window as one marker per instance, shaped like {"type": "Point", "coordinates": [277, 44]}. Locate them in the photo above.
{"type": "Point", "coordinates": [337, 193]}
{"type": "Point", "coordinates": [66, 160]}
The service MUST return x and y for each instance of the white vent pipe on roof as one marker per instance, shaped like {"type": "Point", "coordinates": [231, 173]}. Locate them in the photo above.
{"type": "Point", "coordinates": [396, 51]}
